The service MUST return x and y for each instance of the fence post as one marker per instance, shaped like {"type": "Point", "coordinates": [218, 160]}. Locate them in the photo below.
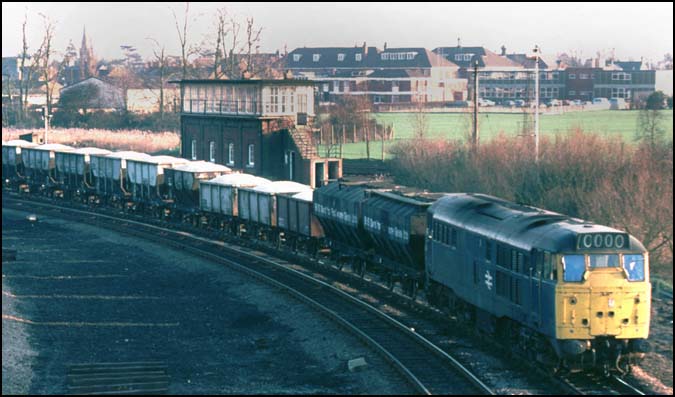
{"type": "Point", "coordinates": [383, 129]}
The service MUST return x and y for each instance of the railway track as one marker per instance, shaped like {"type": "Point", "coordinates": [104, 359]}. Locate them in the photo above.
{"type": "Point", "coordinates": [596, 384]}
{"type": "Point", "coordinates": [428, 369]}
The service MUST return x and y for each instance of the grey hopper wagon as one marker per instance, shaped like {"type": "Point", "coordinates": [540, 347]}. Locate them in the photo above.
{"type": "Point", "coordinates": [220, 195]}
{"type": "Point", "coordinates": [39, 163]}
{"type": "Point", "coordinates": [109, 172]}
{"type": "Point", "coordinates": [258, 204]}
{"type": "Point", "coordinates": [73, 169]}
{"type": "Point", "coordinates": [183, 182]}
{"type": "Point", "coordinates": [146, 178]}
{"type": "Point", "coordinates": [12, 164]}
{"type": "Point", "coordinates": [295, 215]}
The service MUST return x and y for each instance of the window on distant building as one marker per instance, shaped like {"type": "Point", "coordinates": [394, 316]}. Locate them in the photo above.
{"type": "Point", "coordinates": [212, 152]}
{"type": "Point", "coordinates": [251, 154]}
{"type": "Point", "coordinates": [230, 154]}
{"type": "Point", "coordinates": [296, 57]}
{"type": "Point", "coordinates": [193, 153]}
{"type": "Point", "coordinates": [341, 57]}
{"type": "Point", "coordinates": [316, 57]}
{"type": "Point", "coordinates": [467, 57]}
{"type": "Point", "coordinates": [583, 76]}
{"type": "Point", "coordinates": [357, 57]}
{"type": "Point", "coordinates": [572, 92]}
{"type": "Point", "coordinates": [458, 57]}
{"type": "Point", "coordinates": [572, 76]}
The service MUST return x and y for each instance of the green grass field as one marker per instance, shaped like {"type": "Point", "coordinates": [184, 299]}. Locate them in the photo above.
{"type": "Point", "coordinates": [455, 126]}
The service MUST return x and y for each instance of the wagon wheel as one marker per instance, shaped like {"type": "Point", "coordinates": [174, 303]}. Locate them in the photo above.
{"type": "Point", "coordinates": [390, 281]}
{"type": "Point", "coordinates": [413, 288]}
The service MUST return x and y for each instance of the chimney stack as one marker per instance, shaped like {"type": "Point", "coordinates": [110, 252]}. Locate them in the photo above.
{"type": "Point", "coordinates": [365, 49]}
{"type": "Point", "coordinates": [385, 45]}
{"type": "Point", "coordinates": [503, 50]}
{"type": "Point", "coordinates": [459, 42]}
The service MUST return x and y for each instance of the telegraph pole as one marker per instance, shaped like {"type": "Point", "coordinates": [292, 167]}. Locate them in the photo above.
{"type": "Point", "coordinates": [536, 103]}
{"type": "Point", "coordinates": [474, 133]}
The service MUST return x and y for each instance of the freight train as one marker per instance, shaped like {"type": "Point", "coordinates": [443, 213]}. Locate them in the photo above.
{"type": "Point", "coordinates": [560, 290]}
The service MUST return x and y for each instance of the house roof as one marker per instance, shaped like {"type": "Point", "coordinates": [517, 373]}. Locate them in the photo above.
{"type": "Point", "coordinates": [101, 96]}
{"type": "Point", "coordinates": [545, 61]}
{"type": "Point", "coordinates": [485, 57]}
{"type": "Point", "coordinates": [629, 66]}
{"type": "Point", "coordinates": [345, 58]}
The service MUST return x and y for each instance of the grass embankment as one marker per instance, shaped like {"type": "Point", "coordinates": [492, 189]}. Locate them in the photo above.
{"type": "Point", "coordinates": [455, 126]}
{"type": "Point", "coordinates": [136, 140]}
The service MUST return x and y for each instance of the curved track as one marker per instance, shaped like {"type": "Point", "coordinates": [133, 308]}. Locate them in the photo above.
{"type": "Point", "coordinates": [428, 369]}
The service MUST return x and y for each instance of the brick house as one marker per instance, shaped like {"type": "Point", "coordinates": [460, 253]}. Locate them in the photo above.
{"type": "Point", "coordinates": [392, 75]}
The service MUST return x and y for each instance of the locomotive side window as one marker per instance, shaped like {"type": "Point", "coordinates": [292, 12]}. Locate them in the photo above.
{"type": "Point", "coordinates": [574, 267]}
{"type": "Point", "coordinates": [600, 261]}
{"type": "Point", "coordinates": [514, 261]}
{"type": "Point", "coordinates": [453, 238]}
{"type": "Point", "coordinates": [488, 250]}
{"type": "Point", "coordinates": [635, 267]}
{"type": "Point", "coordinates": [546, 273]}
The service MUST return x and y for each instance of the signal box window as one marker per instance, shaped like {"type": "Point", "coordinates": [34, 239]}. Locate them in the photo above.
{"type": "Point", "coordinates": [230, 154]}
{"type": "Point", "coordinates": [212, 152]}
{"type": "Point", "coordinates": [193, 148]}
{"type": "Point", "coordinates": [251, 153]}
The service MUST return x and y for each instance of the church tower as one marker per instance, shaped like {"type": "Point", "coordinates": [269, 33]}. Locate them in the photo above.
{"type": "Point", "coordinates": [87, 60]}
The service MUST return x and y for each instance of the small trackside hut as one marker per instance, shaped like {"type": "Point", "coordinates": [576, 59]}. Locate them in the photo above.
{"type": "Point", "coordinates": [261, 127]}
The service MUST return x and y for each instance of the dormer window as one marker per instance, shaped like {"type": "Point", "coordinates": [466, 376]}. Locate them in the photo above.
{"type": "Point", "coordinates": [296, 57]}
{"type": "Point", "coordinates": [458, 57]}
{"type": "Point", "coordinates": [316, 57]}
{"type": "Point", "coordinates": [357, 57]}
{"type": "Point", "coordinates": [341, 57]}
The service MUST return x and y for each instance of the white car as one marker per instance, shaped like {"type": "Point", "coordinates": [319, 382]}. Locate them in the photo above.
{"type": "Point", "coordinates": [485, 102]}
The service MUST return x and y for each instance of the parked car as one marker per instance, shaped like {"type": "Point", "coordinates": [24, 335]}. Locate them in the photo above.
{"type": "Point", "coordinates": [519, 103]}
{"type": "Point", "coordinates": [576, 102]}
{"type": "Point", "coordinates": [509, 103]}
{"type": "Point", "coordinates": [553, 102]}
{"type": "Point", "coordinates": [618, 104]}
{"type": "Point", "coordinates": [485, 102]}
{"type": "Point", "coordinates": [597, 101]}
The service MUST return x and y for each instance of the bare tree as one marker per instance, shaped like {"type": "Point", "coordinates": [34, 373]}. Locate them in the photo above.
{"type": "Point", "coordinates": [222, 30]}
{"type": "Point", "coordinates": [252, 39]}
{"type": "Point", "coordinates": [158, 52]}
{"type": "Point", "coordinates": [420, 122]}
{"type": "Point", "coordinates": [650, 129]}
{"type": "Point", "coordinates": [28, 69]}
{"type": "Point", "coordinates": [47, 72]}
{"type": "Point", "coordinates": [234, 35]}
{"type": "Point", "coordinates": [186, 50]}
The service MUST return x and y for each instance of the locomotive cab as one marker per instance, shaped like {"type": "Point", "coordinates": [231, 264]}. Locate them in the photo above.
{"type": "Point", "coordinates": [603, 300]}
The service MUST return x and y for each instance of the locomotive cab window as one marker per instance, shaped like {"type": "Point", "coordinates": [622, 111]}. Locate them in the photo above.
{"type": "Point", "coordinates": [602, 261]}
{"type": "Point", "coordinates": [634, 265]}
{"type": "Point", "coordinates": [574, 267]}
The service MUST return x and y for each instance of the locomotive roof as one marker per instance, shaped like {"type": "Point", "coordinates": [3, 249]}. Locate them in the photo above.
{"type": "Point", "coordinates": [201, 166]}
{"type": "Point", "coordinates": [238, 179]}
{"type": "Point", "coordinates": [518, 225]}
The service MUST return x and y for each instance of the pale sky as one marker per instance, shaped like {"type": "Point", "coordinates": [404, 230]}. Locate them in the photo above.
{"type": "Point", "coordinates": [633, 30]}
